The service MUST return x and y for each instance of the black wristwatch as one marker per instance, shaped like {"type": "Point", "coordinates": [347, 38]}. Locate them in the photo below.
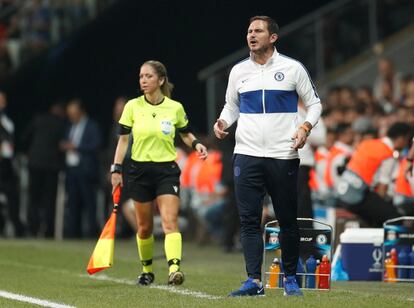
{"type": "Point", "coordinates": [116, 168]}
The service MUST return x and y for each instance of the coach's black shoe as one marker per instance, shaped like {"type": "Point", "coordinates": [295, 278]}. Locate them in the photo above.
{"type": "Point", "coordinates": [176, 278]}
{"type": "Point", "coordinates": [249, 288]}
{"type": "Point", "coordinates": [145, 279]}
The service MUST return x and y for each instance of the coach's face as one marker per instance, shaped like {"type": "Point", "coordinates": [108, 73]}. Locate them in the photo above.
{"type": "Point", "coordinates": [258, 36]}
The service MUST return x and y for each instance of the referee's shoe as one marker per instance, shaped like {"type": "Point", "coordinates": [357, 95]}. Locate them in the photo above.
{"type": "Point", "coordinates": [249, 288]}
{"type": "Point", "coordinates": [176, 278]}
{"type": "Point", "coordinates": [145, 279]}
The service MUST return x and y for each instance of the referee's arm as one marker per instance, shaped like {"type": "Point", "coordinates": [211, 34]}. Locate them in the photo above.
{"type": "Point", "coordinates": [191, 141]}
{"type": "Point", "coordinates": [122, 145]}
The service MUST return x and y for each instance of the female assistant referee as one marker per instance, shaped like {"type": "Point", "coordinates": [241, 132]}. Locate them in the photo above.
{"type": "Point", "coordinates": [153, 119]}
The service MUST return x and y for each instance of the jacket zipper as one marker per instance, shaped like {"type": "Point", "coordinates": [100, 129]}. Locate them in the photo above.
{"type": "Point", "coordinates": [264, 111]}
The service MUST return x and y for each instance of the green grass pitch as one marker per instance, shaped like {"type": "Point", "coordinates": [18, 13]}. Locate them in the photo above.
{"type": "Point", "coordinates": [55, 271]}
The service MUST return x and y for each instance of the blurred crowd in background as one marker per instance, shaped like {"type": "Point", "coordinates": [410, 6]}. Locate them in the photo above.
{"type": "Point", "coordinates": [58, 184]}
{"type": "Point", "coordinates": [28, 27]}
{"type": "Point", "coordinates": [66, 154]}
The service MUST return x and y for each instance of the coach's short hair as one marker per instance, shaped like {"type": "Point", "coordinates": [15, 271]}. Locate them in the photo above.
{"type": "Point", "coordinates": [272, 25]}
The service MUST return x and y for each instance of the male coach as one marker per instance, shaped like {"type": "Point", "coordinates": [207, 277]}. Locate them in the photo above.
{"type": "Point", "coordinates": [262, 95]}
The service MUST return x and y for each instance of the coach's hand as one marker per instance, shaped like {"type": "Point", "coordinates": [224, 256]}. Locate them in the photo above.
{"type": "Point", "coordinates": [219, 128]}
{"type": "Point", "coordinates": [299, 139]}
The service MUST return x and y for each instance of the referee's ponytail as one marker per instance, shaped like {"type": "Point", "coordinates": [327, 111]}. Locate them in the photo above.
{"type": "Point", "coordinates": [161, 70]}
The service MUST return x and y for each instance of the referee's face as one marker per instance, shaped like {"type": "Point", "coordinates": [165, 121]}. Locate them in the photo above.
{"type": "Point", "coordinates": [148, 79]}
{"type": "Point", "coordinates": [258, 36]}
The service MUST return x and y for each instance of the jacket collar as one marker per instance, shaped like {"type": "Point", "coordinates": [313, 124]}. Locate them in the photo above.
{"type": "Point", "coordinates": [269, 62]}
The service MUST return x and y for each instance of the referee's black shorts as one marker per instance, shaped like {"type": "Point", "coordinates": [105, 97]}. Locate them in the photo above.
{"type": "Point", "coordinates": [147, 180]}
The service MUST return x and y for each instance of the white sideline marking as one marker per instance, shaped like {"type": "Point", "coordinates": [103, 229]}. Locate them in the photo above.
{"type": "Point", "coordinates": [175, 290]}
{"type": "Point", "coordinates": [117, 280]}
{"type": "Point", "coordinates": [32, 300]}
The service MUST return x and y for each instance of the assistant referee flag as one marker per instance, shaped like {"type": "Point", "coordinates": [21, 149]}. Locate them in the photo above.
{"type": "Point", "coordinates": [103, 254]}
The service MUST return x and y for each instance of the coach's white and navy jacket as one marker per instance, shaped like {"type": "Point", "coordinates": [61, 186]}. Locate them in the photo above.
{"type": "Point", "coordinates": [264, 101]}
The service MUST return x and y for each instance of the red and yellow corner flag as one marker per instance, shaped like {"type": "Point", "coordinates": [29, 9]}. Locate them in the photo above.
{"type": "Point", "coordinates": [103, 254]}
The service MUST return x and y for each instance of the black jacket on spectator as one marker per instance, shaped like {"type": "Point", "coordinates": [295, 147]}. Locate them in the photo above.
{"type": "Point", "coordinates": [42, 138]}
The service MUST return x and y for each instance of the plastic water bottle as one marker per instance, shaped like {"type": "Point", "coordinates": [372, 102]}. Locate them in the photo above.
{"type": "Point", "coordinates": [299, 273]}
{"type": "Point", "coordinates": [318, 263]}
{"type": "Point", "coordinates": [389, 269]}
{"type": "Point", "coordinates": [411, 259]}
{"type": "Point", "coordinates": [394, 256]}
{"type": "Point", "coordinates": [310, 271]}
{"type": "Point", "coordinates": [324, 272]}
{"type": "Point", "coordinates": [274, 270]}
{"type": "Point", "coordinates": [403, 260]}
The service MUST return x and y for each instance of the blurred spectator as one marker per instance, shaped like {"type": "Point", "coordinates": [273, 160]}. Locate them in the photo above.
{"type": "Point", "coordinates": [366, 101]}
{"type": "Point", "coordinates": [408, 99]}
{"type": "Point", "coordinates": [8, 177]}
{"type": "Point", "coordinates": [14, 40]}
{"type": "Point", "coordinates": [387, 85]}
{"type": "Point", "coordinates": [338, 157]}
{"type": "Point", "coordinates": [42, 136]}
{"type": "Point", "coordinates": [410, 116]}
{"type": "Point", "coordinates": [77, 13]}
{"type": "Point", "coordinates": [60, 27]}
{"type": "Point", "coordinates": [230, 217]}
{"type": "Point", "coordinates": [364, 95]}
{"type": "Point", "coordinates": [403, 86]}
{"type": "Point", "coordinates": [7, 9]}
{"type": "Point", "coordinates": [307, 161]}
{"type": "Point", "coordinates": [351, 114]}
{"type": "Point", "coordinates": [36, 35]}
{"type": "Point", "coordinates": [347, 96]}
{"type": "Point", "coordinates": [361, 125]}
{"type": "Point", "coordinates": [118, 107]}
{"type": "Point", "coordinates": [126, 206]}
{"type": "Point", "coordinates": [317, 184]}
{"type": "Point", "coordinates": [332, 98]}
{"type": "Point", "coordinates": [383, 123]}
{"type": "Point", "coordinates": [385, 98]}
{"type": "Point", "coordinates": [363, 185]}
{"type": "Point", "coordinates": [81, 145]}
{"type": "Point", "coordinates": [334, 115]}
{"type": "Point", "coordinates": [404, 193]}
{"type": "Point", "coordinates": [188, 177]}
{"type": "Point", "coordinates": [209, 198]}
{"type": "Point", "coordinates": [28, 27]}
{"type": "Point", "coordinates": [5, 62]}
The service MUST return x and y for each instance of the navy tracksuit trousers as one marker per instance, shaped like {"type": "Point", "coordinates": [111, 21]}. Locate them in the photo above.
{"type": "Point", "coordinates": [253, 177]}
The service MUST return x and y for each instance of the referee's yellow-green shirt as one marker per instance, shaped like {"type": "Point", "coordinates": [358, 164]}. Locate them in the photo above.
{"type": "Point", "coordinates": [153, 128]}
